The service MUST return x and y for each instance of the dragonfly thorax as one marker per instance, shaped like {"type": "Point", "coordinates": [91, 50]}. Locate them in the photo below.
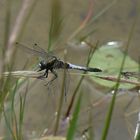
{"type": "Point", "coordinates": [42, 64]}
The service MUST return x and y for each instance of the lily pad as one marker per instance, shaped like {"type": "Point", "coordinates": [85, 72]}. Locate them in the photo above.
{"type": "Point", "coordinates": [109, 58]}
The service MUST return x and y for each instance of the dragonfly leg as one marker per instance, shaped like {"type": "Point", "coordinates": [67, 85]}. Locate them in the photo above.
{"type": "Point", "coordinates": [55, 76]}
{"type": "Point", "coordinates": [45, 75]}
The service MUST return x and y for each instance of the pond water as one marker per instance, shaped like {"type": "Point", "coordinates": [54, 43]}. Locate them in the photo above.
{"type": "Point", "coordinates": [114, 25]}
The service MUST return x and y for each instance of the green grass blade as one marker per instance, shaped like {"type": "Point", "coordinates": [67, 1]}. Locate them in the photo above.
{"type": "Point", "coordinates": [80, 81]}
{"type": "Point", "coordinates": [8, 125]}
{"type": "Point", "coordinates": [10, 115]}
{"type": "Point", "coordinates": [13, 113]}
{"type": "Point", "coordinates": [7, 25]}
{"type": "Point", "coordinates": [21, 113]}
{"type": "Point", "coordinates": [60, 101]}
{"type": "Point", "coordinates": [112, 104]}
{"type": "Point", "coordinates": [73, 123]}
{"type": "Point", "coordinates": [56, 21]}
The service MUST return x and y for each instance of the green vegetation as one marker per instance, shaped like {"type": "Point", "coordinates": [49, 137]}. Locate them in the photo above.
{"type": "Point", "coordinates": [14, 91]}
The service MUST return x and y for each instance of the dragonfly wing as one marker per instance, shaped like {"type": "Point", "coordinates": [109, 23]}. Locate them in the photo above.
{"type": "Point", "coordinates": [39, 49]}
{"type": "Point", "coordinates": [36, 50]}
{"type": "Point", "coordinates": [29, 50]}
{"type": "Point", "coordinates": [44, 54]}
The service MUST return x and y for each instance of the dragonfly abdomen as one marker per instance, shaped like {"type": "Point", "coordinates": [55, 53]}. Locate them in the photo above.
{"type": "Point", "coordinates": [87, 69]}
{"type": "Point", "coordinates": [94, 70]}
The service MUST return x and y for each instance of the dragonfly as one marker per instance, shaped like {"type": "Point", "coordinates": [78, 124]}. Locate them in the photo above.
{"type": "Point", "coordinates": [127, 74]}
{"type": "Point", "coordinates": [50, 62]}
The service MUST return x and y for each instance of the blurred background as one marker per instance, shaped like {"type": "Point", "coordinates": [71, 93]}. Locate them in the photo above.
{"type": "Point", "coordinates": [108, 21]}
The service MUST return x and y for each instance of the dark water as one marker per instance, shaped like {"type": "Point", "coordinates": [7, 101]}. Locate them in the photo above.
{"type": "Point", "coordinates": [114, 25]}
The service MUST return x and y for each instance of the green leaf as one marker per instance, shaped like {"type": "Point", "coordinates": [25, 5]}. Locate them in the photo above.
{"type": "Point", "coordinates": [109, 57]}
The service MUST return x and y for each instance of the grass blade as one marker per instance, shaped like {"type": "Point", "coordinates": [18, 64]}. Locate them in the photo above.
{"type": "Point", "coordinates": [73, 123]}
{"type": "Point", "coordinates": [80, 81]}
{"type": "Point", "coordinates": [56, 21]}
{"type": "Point", "coordinates": [112, 104]}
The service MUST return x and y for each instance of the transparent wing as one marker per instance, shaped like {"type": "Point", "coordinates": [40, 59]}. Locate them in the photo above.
{"type": "Point", "coordinates": [35, 51]}
{"type": "Point", "coordinates": [50, 53]}
{"type": "Point", "coordinates": [43, 52]}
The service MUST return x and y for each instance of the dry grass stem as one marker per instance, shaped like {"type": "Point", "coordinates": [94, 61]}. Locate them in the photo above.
{"type": "Point", "coordinates": [17, 29]}
{"type": "Point", "coordinates": [29, 74]}
{"type": "Point", "coordinates": [122, 80]}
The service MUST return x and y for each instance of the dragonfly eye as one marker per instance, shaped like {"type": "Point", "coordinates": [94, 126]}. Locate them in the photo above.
{"type": "Point", "coordinates": [42, 62]}
{"type": "Point", "coordinates": [41, 65]}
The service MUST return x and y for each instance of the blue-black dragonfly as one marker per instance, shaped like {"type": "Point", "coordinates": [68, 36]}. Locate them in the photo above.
{"type": "Point", "coordinates": [50, 62]}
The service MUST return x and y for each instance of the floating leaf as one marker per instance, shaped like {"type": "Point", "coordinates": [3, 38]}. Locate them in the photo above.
{"type": "Point", "coordinates": [109, 58]}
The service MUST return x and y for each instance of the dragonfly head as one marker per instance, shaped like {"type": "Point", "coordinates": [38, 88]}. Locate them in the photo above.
{"type": "Point", "coordinates": [42, 65]}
